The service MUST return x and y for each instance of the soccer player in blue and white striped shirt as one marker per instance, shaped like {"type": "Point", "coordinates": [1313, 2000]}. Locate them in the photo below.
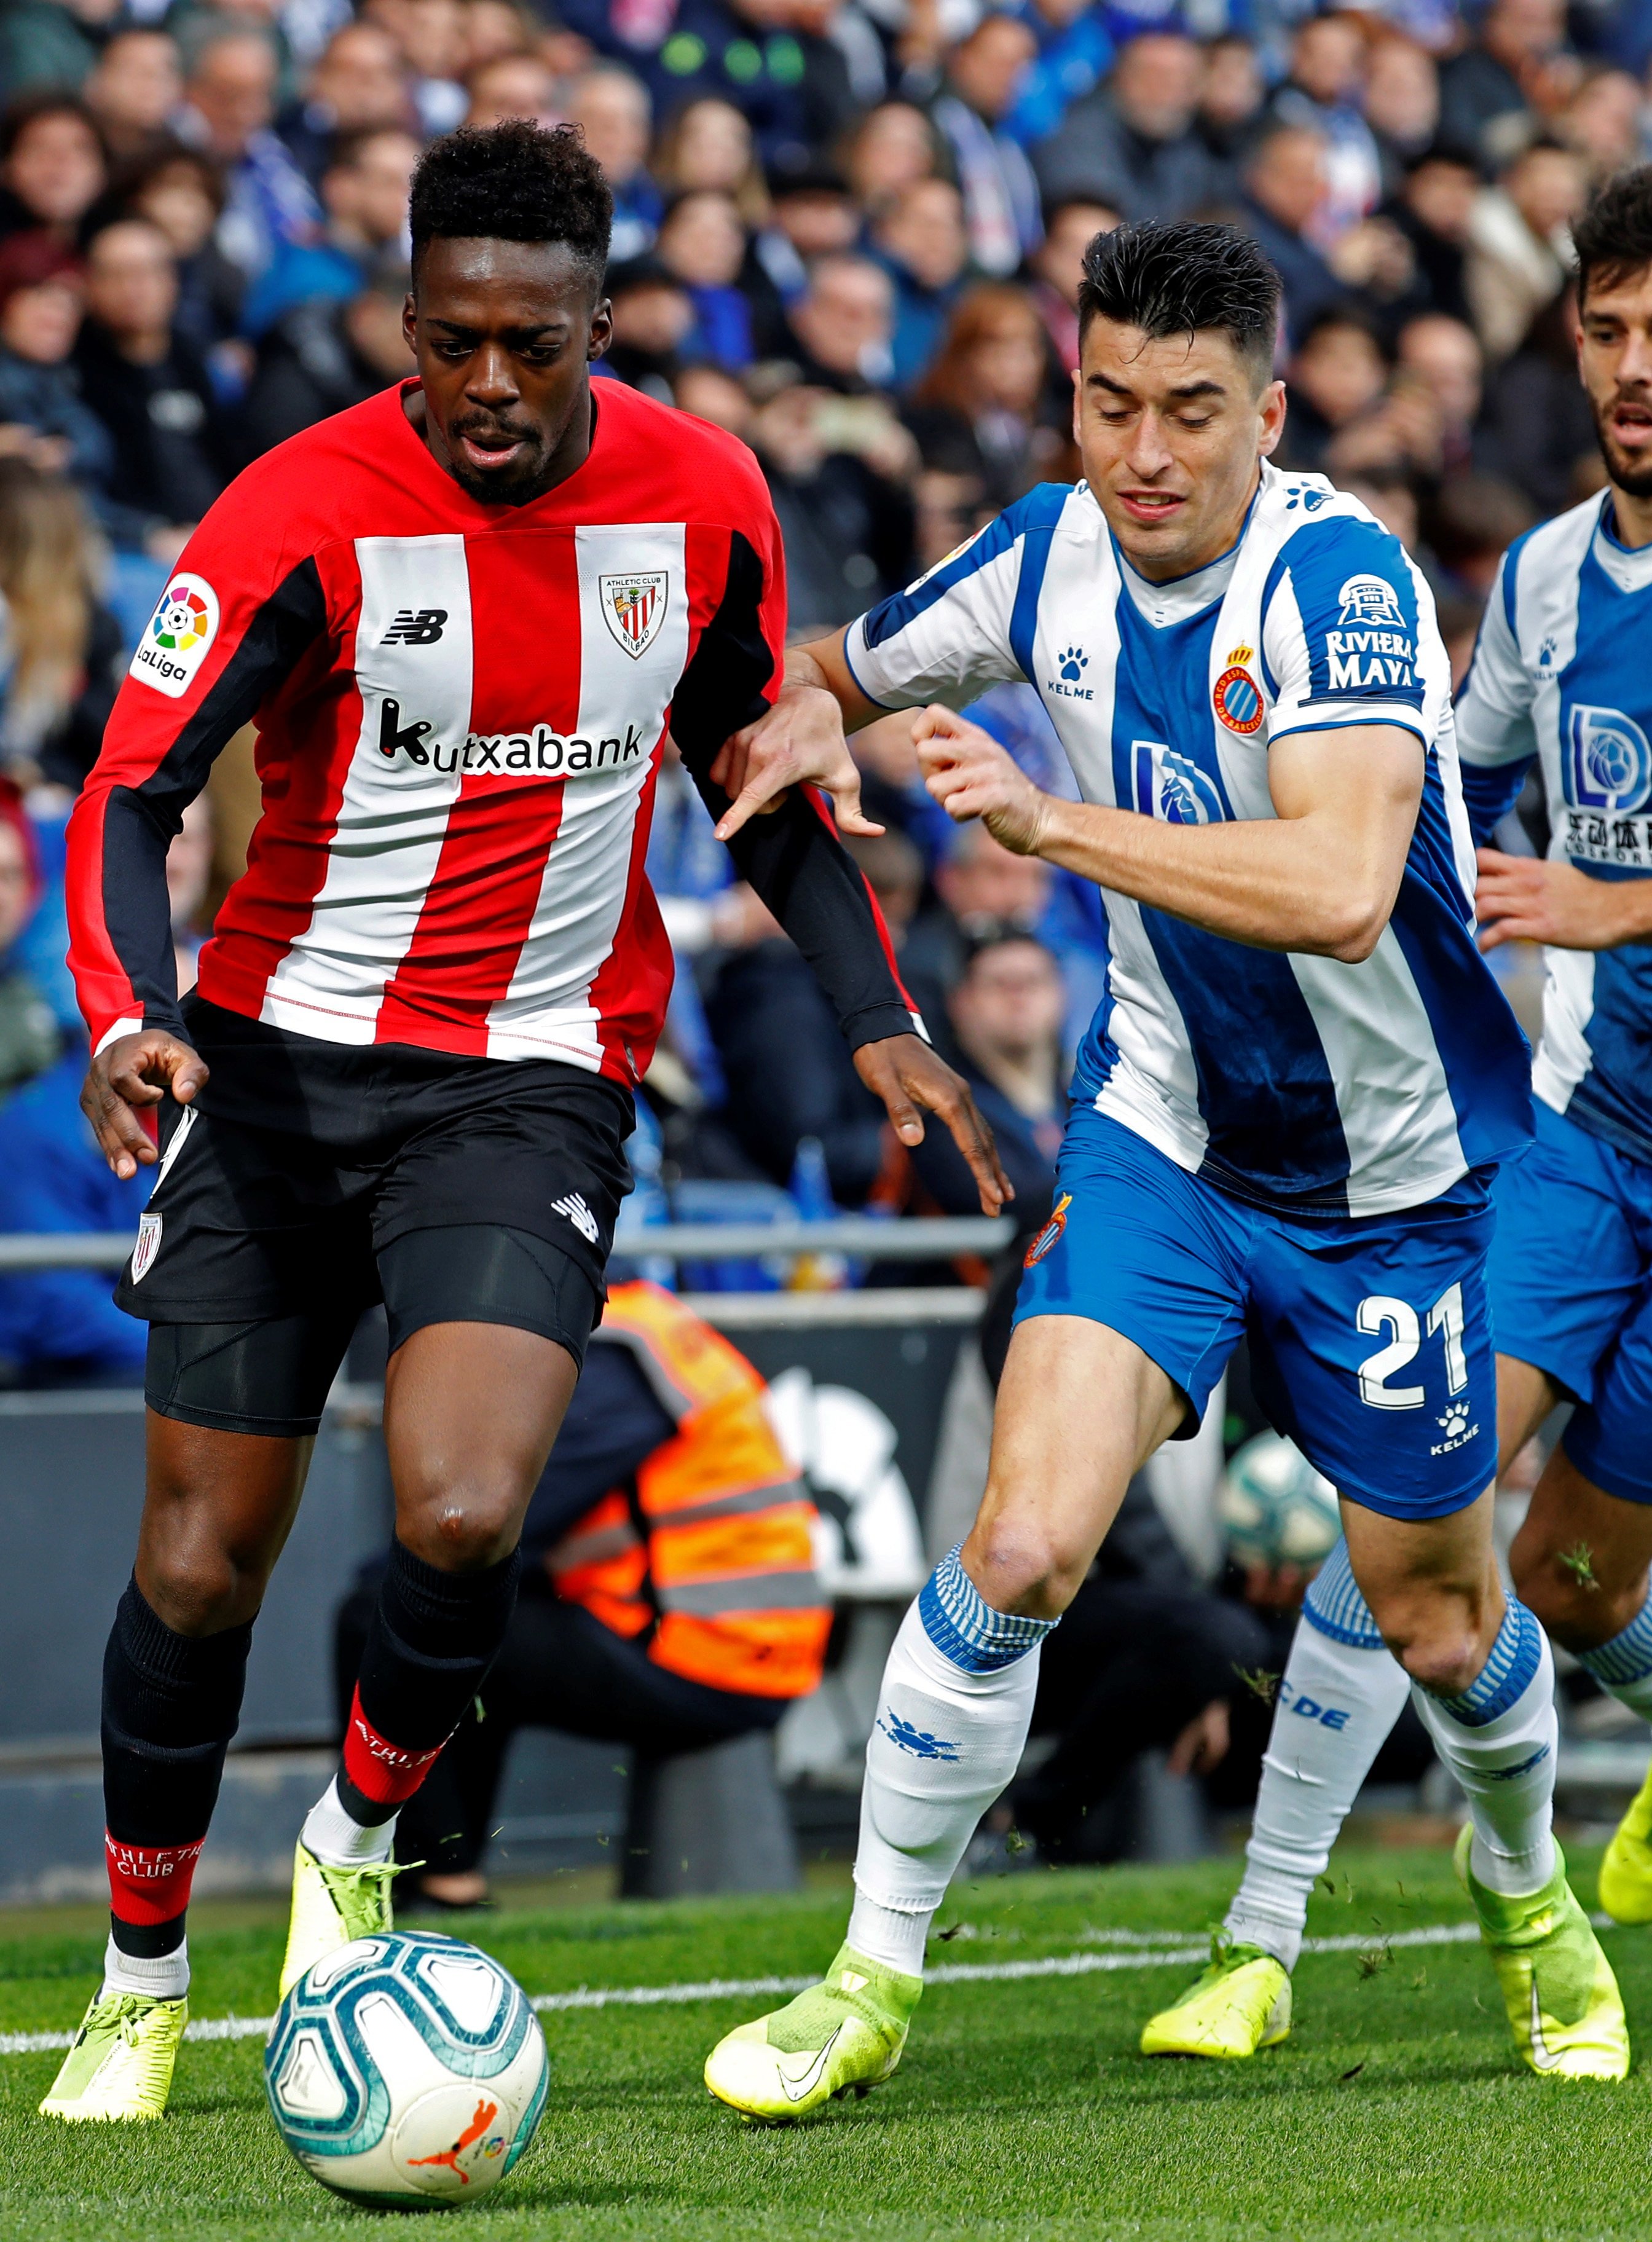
{"type": "Point", "coordinates": [1287, 1118]}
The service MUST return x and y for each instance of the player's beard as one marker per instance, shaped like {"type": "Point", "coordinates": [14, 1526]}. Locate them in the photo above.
{"type": "Point", "coordinates": [1632, 477]}
{"type": "Point", "coordinates": [507, 487]}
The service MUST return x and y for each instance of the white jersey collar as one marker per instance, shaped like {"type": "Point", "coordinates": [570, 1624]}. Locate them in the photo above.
{"type": "Point", "coordinates": [1629, 569]}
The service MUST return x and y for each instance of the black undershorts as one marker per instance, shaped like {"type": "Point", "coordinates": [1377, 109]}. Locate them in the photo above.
{"type": "Point", "coordinates": [311, 1180]}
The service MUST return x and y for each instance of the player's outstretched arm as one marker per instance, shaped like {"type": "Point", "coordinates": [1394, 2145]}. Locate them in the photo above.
{"type": "Point", "coordinates": [1544, 899]}
{"type": "Point", "coordinates": [129, 1074]}
{"type": "Point", "coordinates": [800, 741]}
{"type": "Point", "coordinates": [1319, 878]}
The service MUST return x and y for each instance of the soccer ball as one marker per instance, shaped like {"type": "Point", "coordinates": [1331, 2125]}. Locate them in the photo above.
{"type": "Point", "coordinates": [406, 2069]}
{"type": "Point", "coordinates": [1276, 1509]}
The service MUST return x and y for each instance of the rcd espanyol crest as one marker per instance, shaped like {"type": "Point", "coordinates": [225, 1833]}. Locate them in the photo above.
{"type": "Point", "coordinates": [633, 608]}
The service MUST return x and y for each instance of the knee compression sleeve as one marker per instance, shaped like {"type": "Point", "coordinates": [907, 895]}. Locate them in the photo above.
{"type": "Point", "coordinates": [430, 1642]}
{"type": "Point", "coordinates": [171, 1704]}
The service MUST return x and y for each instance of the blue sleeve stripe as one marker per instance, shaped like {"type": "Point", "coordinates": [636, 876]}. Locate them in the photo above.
{"type": "Point", "coordinates": [1039, 508]}
{"type": "Point", "coordinates": [1490, 791]}
{"type": "Point", "coordinates": [848, 664]}
{"type": "Point", "coordinates": [1039, 526]}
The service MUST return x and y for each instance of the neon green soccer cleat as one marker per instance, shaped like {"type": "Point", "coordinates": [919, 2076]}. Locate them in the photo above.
{"type": "Point", "coordinates": [1626, 1871]}
{"type": "Point", "coordinates": [1240, 2003]}
{"type": "Point", "coordinates": [331, 1907]}
{"type": "Point", "coordinates": [1564, 2007]}
{"type": "Point", "coordinates": [844, 2036]}
{"type": "Point", "coordinates": [120, 2067]}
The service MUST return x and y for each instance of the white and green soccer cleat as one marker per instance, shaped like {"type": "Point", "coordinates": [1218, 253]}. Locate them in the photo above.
{"type": "Point", "coordinates": [331, 1907]}
{"type": "Point", "coordinates": [1625, 1869]}
{"type": "Point", "coordinates": [844, 2036]}
{"type": "Point", "coordinates": [119, 2069]}
{"type": "Point", "coordinates": [1564, 2007]}
{"type": "Point", "coordinates": [1240, 2003]}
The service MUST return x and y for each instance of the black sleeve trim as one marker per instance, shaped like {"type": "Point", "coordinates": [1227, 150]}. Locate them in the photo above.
{"type": "Point", "coordinates": [793, 858]}
{"type": "Point", "coordinates": [140, 823]}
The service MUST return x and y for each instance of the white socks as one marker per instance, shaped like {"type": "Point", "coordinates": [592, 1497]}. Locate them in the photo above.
{"type": "Point", "coordinates": [1624, 1665]}
{"type": "Point", "coordinates": [338, 1838]}
{"type": "Point", "coordinates": [952, 1718]}
{"type": "Point", "coordinates": [1498, 1739]}
{"type": "Point", "coordinates": [1342, 1693]}
{"type": "Point", "coordinates": [159, 1977]}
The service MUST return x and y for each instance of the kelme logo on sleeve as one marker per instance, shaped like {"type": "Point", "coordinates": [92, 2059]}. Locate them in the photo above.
{"type": "Point", "coordinates": [175, 643]}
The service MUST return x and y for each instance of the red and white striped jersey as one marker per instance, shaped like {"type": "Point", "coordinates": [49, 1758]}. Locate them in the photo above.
{"type": "Point", "coordinates": [461, 710]}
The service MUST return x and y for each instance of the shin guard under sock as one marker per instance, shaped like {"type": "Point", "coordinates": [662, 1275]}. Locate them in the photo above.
{"type": "Point", "coordinates": [1498, 1738]}
{"type": "Point", "coordinates": [952, 1719]}
{"type": "Point", "coordinates": [1342, 1693]}
{"type": "Point", "coordinates": [431, 1641]}
{"type": "Point", "coordinates": [171, 1704]}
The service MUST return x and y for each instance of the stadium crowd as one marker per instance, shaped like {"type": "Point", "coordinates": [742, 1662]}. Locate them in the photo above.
{"type": "Point", "coordinates": [848, 231]}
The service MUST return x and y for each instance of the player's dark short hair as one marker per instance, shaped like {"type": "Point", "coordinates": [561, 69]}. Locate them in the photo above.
{"type": "Point", "coordinates": [1184, 279]}
{"type": "Point", "coordinates": [516, 181]}
{"type": "Point", "coordinates": [1614, 237]}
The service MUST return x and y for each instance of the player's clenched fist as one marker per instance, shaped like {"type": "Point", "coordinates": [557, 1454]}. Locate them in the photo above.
{"type": "Point", "coordinates": [133, 1071]}
{"type": "Point", "coordinates": [971, 775]}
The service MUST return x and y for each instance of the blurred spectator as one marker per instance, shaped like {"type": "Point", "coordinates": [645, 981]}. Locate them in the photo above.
{"type": "Point", "coordinates": [777, 61]}
{"type": "Point", "coordinates": [431, 35]}
{"type": "Point", "coordinates": [1484, 88]}
{"type": "Point", "coordinates": [61, 654]}
{"type": "Point", "coordinates": [135, 92]}
{"type": "Point", "coordinates": [985, 72]}
{"type": "Point", "coordinates": [513, 85]}
{"type": "Point", "coordinates": [708, 144]}
{"type": "Point", "coordinates": [612, 109]}
{"type": "Point", "coordinates": [1445, 357]}
{"type": "Point", "coordinates": [980, 888]}
{"type": "Point", "coordinates": [1231, 93]}
{"type": "Point", "coordinates": [1472, 524]}
{"type": "Point", "coordinates": [1435, 212]}
{"type": "Point", "coordinates": [189, 880]}
{"type": "Point", "coordinates": [359, 84]}
{"type": "Point", "coordinates": [28, 1033]}
{"type": "Point", "coordinates": [920, 239]}
{"type": "Point", "coordinates": [702, 244]}
{"type": "Point", "coordinates": [711, 394]}
{"type": "Point", "coordinates": [50, 43]}
{"type": "Point", "coordinates": [653, 318]}
{"type": "Point", "coordinates": [893, 145]}
{"type": "Point", "coordinates": [323, 357]}
{"type": "Point", "coordinates": [1602, 121]}
{"type": "Point", "coordinates": [989, 386]}
{"type": "Point", "coordinates": [1337, 372]}
{"type": "Point", "coordinates": [1075, 49]}
{"type": "Point", "coordinates": [1285, 193]}
{"type": "Point", "coordinates": [1131, 144]}
{"type": "Point", "coordinates": [231, 102]}
{"type": "Point", "coordinates": [1324, 90]}
{"type": "Point", "coordinates": [364, 192]}
{"type": "Point", "coordinates": [1401, 104]}
{"type": "Point", "coordinates": [1057, 264]}
{"type": "Point", "coordinates": [145, 383]}
{"type": "Point", "coordinates": [52, 164]}
{"type": "Point", "coordinates": [1519, 242]}
{"type": "Point", "coordinates": [182, 192]}
{"type": "Point", "coordinates": [1006, 1011]}
{"type": "Point", "coordinates": [1539, 415]}
{"type": "Point", "coordinates": [40, 310]}
{"type": "Point", "coordinates": [839, 471]}
{"type": "Point", "coordinates": [845, 325]}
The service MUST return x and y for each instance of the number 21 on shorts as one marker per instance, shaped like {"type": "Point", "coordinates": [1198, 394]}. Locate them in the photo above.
{"type": "Point", "coordinates": [1380, 1312]}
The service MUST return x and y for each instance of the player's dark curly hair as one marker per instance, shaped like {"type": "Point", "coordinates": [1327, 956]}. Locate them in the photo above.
{"type": "Point", "coordinates": [516, 181]}
{"type": "Point", "coordinates": [1614, 237]}
{"type": "Point", "coordinates": [1184, 279]}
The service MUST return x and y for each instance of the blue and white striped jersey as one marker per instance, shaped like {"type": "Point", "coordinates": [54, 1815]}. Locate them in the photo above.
{"type": "Point", "coordinates": [1562, 672]}
{"type": "Point", "coordinates": [1305, 1084]}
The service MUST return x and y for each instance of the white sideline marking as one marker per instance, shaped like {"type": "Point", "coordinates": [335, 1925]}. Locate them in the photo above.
{"type": "Point", "coordinates": [948, 1973]}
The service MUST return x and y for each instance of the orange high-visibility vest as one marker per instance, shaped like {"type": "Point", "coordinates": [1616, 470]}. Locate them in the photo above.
{"type": "Point", "coordinates": [712, 1551]}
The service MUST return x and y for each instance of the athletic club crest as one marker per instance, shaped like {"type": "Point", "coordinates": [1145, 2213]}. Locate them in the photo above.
{"type": "Point", "coordinates": [633, 608]}
{"type": "Point", "coordinates": [148, 1246]}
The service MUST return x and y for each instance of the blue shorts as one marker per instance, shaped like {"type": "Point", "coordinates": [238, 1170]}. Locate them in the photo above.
{"type": "Point", "coordinates": [1571, 1290]}
{"type": "Point", "coordinates": [1370, 1338]}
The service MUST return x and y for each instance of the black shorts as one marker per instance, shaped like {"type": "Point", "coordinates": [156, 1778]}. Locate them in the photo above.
{"type": "Point", "coordinates": [311, 1180]}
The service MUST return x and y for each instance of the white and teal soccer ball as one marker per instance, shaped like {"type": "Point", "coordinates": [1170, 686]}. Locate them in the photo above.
{"type": "Point", "coordinates": [1276, 1509]}
{"type": "Point", "coordinates": [406, 2069]}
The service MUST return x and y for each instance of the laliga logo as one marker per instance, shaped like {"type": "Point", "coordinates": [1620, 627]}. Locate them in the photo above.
{"type": "Point", "coordinates": [1608, 759]}
{"type": "Point", "coordinates": [181, 630]}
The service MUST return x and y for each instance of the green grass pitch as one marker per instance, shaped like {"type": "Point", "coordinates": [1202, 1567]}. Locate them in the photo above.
{"type": "Point", "coordinates": [1022, 2109]}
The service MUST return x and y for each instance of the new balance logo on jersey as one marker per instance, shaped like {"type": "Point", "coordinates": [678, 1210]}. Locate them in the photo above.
{"type": "Point", "coordinates": [419, 627]}
{"type": "Point", "coordinates": [574, 1207]}
{"type": "Point", "coordinates": [548, 753]}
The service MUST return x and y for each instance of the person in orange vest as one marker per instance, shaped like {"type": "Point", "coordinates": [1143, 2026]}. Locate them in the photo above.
{"type": "Point", "coordinates": [668, 1597]}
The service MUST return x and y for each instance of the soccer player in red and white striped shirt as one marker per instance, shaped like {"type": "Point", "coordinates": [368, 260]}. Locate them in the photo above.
{"type": "Point", "coordinates": [463, 616]}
